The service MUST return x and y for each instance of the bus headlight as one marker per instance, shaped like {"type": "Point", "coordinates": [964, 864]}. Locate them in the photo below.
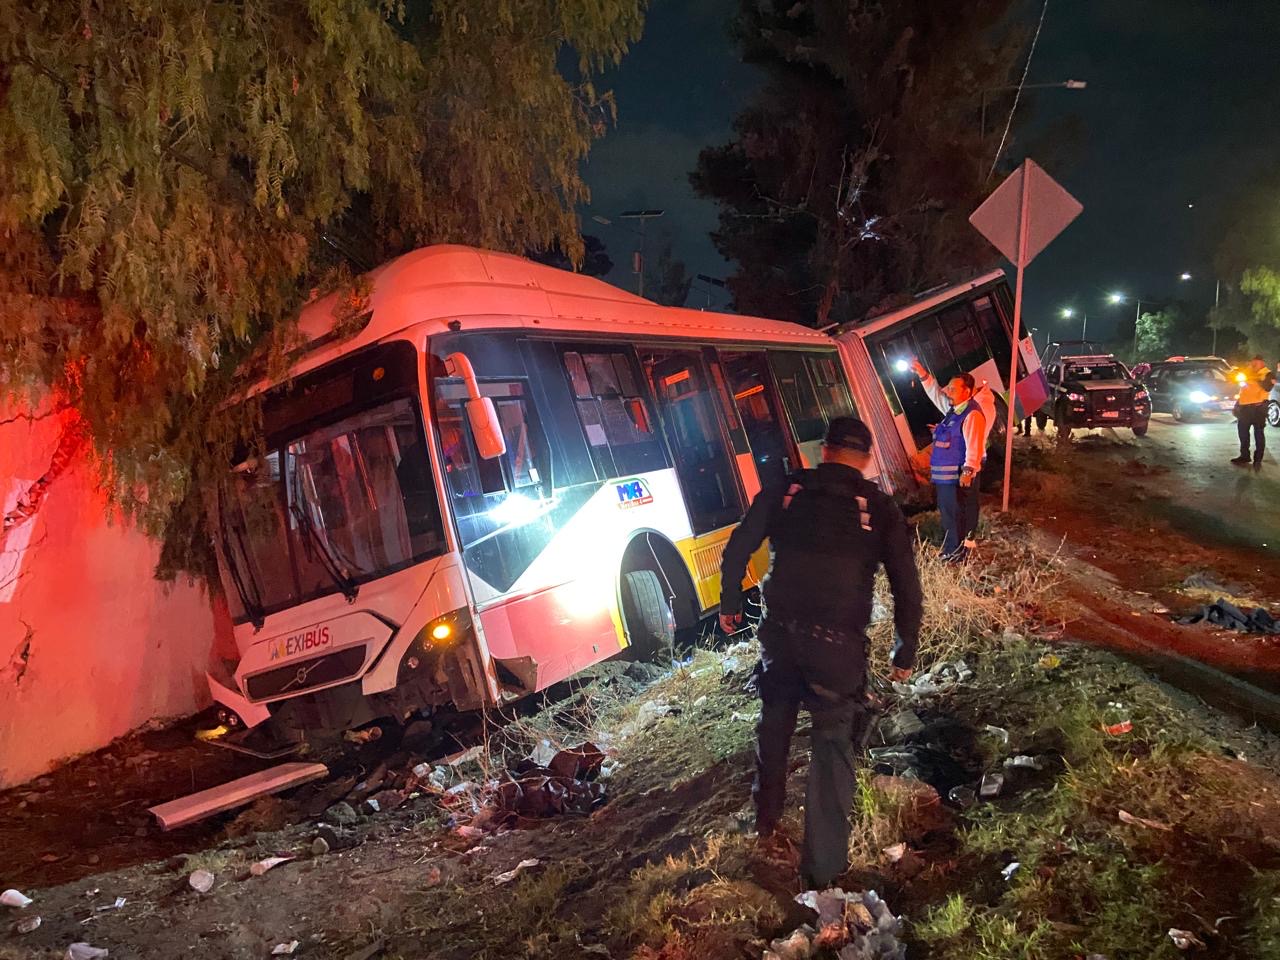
{"type": "Point", "coordinates": [441, 632]}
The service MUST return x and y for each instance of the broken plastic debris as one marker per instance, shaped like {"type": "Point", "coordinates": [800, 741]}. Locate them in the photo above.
{"type": "Point", "coordinates": [118, 905]}
{"type": "Point", "coordinates": [1010, 870]}
{"type": "Point", "coordinates": [511, 874]}
{"type": "Point", "coordinates": [1024, 762]}
{"type": "Point", "coordinates": [1000, 732]}
{"type": "Point", "coordinates": [201, 881]}
{"type": "Point", "coordinates": [1050, 661]}
{"type": "Point", "coordinates": [895, 852]}
{"type": "Point", "coordinates": [992, 784]}
{"type": "Point", "coordinates": [463, 756]}
{"type": "Point", "coordinates": [543, 753]}
{"type": "Point", "coordinates": [468, 832]}
{"type": "Point", "coordinates": [84, 951]}
{"type": "Point", "coordinates": [962, 796]}
{"type": "Point", "coordinates": [270, 863]}
{"type": "Point", "coordinates": [284, 949]}
{"type": "Point", "coordinates": [1127, 817]}
{"type": "Point", "coordinates": [12, 898]}
{"type": "Point", "coordinates": [1119, 729]}
{"type": "Point", "coordinates": [1185, 939]}
{"type": "Point", "coordinates": [213, 733]}
{"type": "Point", "coordinates": [27, 924]}
{"type": "Point", "coordinates": [750, 717]}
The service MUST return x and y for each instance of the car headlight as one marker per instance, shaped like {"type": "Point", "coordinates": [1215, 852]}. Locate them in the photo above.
{"type": "Point", "coordinates": [1075, 396]}
{"type": "Point", "coordinates": [1199, 396]}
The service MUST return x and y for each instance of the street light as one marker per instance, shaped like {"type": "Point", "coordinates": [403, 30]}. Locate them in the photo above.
{"type": "Point", "coordinates": [1062, 85]}
{"type": "Point", "coordinates": [1184, 276]}
{"type": "Point", "coordinates": [1069, 312]}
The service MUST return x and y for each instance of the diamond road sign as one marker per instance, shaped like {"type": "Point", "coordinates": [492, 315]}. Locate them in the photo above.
{"type": "Point", "coordinates": [1049, 209]}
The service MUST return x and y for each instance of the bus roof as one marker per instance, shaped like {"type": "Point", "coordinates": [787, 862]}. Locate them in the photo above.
{"type": "Point", "coordinates": [929, 301]}
{"type": "Point", "coordinates": [483, 289]}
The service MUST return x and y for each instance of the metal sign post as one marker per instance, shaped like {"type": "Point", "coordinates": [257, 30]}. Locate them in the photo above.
{"type": "Point", "coordinates": [1020, 218]}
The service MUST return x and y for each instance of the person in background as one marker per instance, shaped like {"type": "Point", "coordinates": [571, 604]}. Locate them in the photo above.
{"type": "Point", "coordinates": [829, 531]}
{"type": "Point", "coordinates": [969, 494]}
{"type": "Point", "coordinates": [1251, 410]}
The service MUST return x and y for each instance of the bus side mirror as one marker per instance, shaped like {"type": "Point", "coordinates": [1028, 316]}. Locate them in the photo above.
{"type": "Point", "coordinates": [481, 413]}
{"type": "Point", "coordinates": [485, 428]}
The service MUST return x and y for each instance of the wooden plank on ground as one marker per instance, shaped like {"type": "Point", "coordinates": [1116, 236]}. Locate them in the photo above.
{"type": "Point", "coordinates": [237, 793]}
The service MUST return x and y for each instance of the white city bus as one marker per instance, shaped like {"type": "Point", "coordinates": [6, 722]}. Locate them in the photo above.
{"type": "Point", "coordinates": [510, 472]}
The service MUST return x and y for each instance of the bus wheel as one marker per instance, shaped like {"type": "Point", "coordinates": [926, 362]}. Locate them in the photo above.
{"type": "Point", "coordinates": [651, 626]}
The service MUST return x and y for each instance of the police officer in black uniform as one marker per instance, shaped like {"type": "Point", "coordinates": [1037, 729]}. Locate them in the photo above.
{"type": "Point", "coordinates": [829, 530]}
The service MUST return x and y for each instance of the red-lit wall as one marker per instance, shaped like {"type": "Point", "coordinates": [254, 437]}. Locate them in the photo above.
{"type": "Point", "coordinates": [91, 646]}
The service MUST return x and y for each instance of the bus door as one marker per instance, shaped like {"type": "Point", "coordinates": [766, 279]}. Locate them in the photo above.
{"type": "Point", "coordinates": [772, 449]}
{"type": "Point", "coordinates": [694, 432]}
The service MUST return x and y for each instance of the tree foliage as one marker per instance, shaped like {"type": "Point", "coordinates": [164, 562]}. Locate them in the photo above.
{"type": "Point", "coordinates": [178, 176]}
{"type": "Point", "coordinates": [1158, 331]}
{"type": "Point", "coordinates": [666, 278]}
{"type": "Point", "coordinates": [851, 176]}
{"type": "Point", "coordinates": [1247, 264]}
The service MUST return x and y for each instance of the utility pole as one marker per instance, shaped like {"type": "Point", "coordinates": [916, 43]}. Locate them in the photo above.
{"type": "Point", "coordinates": [643, 216]}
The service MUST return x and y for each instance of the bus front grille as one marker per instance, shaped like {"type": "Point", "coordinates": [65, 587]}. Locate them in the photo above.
{"type": "Point", "coordinates": [305, 674]}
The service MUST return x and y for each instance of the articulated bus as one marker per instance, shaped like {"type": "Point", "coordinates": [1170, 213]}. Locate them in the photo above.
{"type": "Point", "coordinates": [965, 328]}
{"type": "Point", "coordinates": [509, 473]}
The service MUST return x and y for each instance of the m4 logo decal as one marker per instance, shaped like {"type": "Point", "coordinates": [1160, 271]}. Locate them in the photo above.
{"type": "Point", "coordinates": [633, 493]}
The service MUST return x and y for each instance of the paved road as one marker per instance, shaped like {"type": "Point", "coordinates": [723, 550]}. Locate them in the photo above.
{"type": "Point", "coordinates": [1209, 495]}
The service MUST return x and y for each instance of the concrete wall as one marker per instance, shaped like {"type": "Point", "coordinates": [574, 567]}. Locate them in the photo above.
{"type": "Point", "coordinates": [91, 646]}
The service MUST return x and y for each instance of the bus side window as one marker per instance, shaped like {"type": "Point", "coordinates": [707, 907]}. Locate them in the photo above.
{"type": "Point", "coordinates": [614, 415]}
{"type": "Point", "coordinates": [833, 392]}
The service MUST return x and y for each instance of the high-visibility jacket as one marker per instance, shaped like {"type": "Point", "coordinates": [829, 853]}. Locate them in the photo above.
{"type": "Point", "coordinates": [1256, 387]}
{"type": "Point", "coordinates": [950, 452]}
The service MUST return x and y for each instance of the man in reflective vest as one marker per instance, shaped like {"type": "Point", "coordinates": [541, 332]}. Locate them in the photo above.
{"type": "Point", "coordinates": [829, 531]}
{"type": "Point", "coordinates": [1251, 410]}
{"type": "Point", "coordinates": [959, 449]}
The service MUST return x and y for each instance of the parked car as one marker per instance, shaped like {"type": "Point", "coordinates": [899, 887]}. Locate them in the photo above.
{"type": "Point", "coordinates": [1094, 390]}
{"type": "Point", "coordinates": [1190, 388]}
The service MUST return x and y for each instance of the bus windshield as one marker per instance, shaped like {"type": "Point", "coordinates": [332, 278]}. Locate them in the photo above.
{"type": "Point", "coordinates": [334, 507]}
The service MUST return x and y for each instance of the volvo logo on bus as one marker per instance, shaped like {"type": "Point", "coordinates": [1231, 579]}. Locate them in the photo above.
{"type": "Point", "coordinates": [633, 493]}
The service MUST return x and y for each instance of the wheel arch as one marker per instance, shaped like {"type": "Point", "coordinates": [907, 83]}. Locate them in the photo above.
{"type": "Point", "coordinates": [651, 550]}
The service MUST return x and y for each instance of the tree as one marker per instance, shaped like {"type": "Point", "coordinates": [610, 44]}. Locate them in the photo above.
{"type": "Point", "coordinates": [851, 176]}
{"type": "Point", "coordinates": [666, 280]}
{"type": "Point", "coordinates": [1247, 264]}
{"type": "Point", "coordinates": [1157, 332]}
{"type": "Point", "coordinates": [595, 261]}
{"type": "Point", "coordinates": [178, 177]}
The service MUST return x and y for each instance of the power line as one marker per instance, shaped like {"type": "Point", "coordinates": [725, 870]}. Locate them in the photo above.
{"type": "Point", "coordinates": [1017, 96]}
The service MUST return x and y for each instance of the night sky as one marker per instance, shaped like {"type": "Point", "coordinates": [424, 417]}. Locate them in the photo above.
{"type": "Point", "coordinates": [1179, 109]}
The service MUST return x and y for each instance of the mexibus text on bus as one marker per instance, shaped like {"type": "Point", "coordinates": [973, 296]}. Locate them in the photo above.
{"type": "Point", "coordinates": [509, 473]}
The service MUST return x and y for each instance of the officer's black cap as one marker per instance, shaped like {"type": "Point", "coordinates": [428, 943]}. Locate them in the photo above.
{"type": "Point", "coordinates": [850, 433]}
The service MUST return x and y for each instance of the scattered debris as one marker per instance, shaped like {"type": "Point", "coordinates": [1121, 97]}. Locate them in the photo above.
{"type": "Point", "coordinates": [1185, 939]}
{"type": "Point", "coordinates": [201, 881]}
{"type": "Point", "coordinates": [1024, 762]}
{"type": "Point", "coordinates": [363, 736]}
{"type": "Point", "coordinates": [27, 925]}
{"type": "Point", "coordinates": [433, 876]}
{"type": "Point", "coordinates": [858, 926]}
{"type": "Point", "coordinates": [1127, 817]}
{"type": "Point", "coordinates": [1118, 729]}
{"type": "Point", "coordinates": [515, 871]}
{"type": "Point", "coordinates": [649, 713]}
{"type": "Point", "coordinates": [286, 949]}
{"type": "Point", "coordinates": [1010, 870]}
{"type": "Point", "coordinates": [463, 756]}
{"type": "Point", "coordinates": [468, 832]}
{"type": "Point", "coordinates": [270, 863]}
{"type": "Point", "coordinates": [991, 786]}
{"type": "Point", "coordinates": [1000, 732]}
{"type": "Point", "coordinates": [577, 763]}
{"type": "Point", "coordinates": [1230, 617]}
{"type": "Point", "coordinates": [750, 716]}
{"type": "Point", "coordinates": [12, 898]}
{"type": "Point", "coordinates": [962, 796]}
{"type": "Point", "coordinates": [543, 754]}
{"type": "Point", "coordinates": [895, 852]}
{"type": "Point", "coordinates": [1050, 661]}
{"type": "Point", "coordinates": [84, 951]}
{"type": "Point", "coordinates": [901, 726]}
{"type": "Point", "coordinates": [118, 905]}
{"type": "Point", "coordinates": [237, 793]}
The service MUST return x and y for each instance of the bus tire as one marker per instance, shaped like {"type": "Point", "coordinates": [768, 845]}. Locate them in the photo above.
{"type": "Point", "coordinates": [651, 626]}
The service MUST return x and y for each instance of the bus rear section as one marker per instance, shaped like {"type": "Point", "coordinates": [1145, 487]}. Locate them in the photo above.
{"type": "Point", "coordinates": [965, 328]}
